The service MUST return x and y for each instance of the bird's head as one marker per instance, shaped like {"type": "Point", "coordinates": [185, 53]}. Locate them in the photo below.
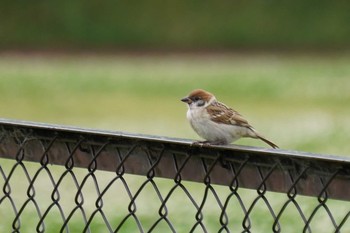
{"type": "Point", "coordinates": [199, 98]}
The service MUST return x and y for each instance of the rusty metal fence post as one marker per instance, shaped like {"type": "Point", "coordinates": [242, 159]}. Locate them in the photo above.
{"type": "Point", "coordinates": [54, 179]}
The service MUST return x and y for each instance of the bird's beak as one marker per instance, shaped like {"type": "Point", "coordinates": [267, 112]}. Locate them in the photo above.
{"type": "Point", "coordinates": [186, 100]}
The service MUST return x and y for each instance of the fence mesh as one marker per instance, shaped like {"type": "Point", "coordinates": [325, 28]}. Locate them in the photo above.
{"type": "Point", "coordinates": [59, 179]}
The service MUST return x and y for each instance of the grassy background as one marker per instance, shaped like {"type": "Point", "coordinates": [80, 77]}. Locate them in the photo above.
{"type": "Point", "coordinates": [298, 101]}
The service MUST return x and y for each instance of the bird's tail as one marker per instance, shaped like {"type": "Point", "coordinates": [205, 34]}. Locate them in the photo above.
{"type": "Point", "coordinates": [257, 135]}
{"type": "Point", "coordinates": [273, 145]}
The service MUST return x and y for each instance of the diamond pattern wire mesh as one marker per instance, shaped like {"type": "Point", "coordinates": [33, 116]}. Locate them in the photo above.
{"type": "Point", "coordinates": [59, 179]}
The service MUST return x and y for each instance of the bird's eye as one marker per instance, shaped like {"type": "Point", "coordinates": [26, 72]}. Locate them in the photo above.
{"type": "Point", "coordinates": [196, 98]}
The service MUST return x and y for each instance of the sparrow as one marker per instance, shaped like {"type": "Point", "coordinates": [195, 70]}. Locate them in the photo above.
{"type": "Point", "coordinates": [217, 123]}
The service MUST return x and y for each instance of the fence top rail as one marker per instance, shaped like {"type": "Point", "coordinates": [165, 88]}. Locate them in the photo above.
{"type": "Point", "coordinates": [249, 167]}
{"type": "Point", "coordinates": [161, 139]}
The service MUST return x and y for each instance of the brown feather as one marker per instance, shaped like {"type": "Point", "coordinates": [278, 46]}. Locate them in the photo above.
{"type": "Point", "coordinates": [262, 138]}
{"type": "Point", "coordinates": [204, 95]}
{"type": "Point", "coordinates": [224, 115]}
{"type": "Point", "coordinates": [273, 145]}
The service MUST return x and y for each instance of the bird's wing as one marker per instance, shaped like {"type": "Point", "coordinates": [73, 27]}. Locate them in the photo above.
{"type": "Point", "coordinates": [222, 114]}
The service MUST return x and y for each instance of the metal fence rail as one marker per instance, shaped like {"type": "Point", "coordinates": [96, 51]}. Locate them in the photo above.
{"type": "Point", "coordinates": [235, 182]}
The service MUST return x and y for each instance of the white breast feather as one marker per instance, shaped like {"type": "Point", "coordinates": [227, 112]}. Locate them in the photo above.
{"type": "Point", "coordinates": [212, 131]}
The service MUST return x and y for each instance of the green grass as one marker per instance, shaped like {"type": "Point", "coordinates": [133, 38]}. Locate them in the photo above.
{"type": "Point", "coordinates": [300, 102]}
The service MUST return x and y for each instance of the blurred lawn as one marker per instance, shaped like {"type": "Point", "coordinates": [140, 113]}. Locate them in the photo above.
{"type": "Point", "coordinates": [299, 101]}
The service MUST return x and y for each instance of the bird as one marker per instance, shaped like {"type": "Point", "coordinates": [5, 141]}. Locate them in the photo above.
{"type": "Point", "coordinates": [217, 123]}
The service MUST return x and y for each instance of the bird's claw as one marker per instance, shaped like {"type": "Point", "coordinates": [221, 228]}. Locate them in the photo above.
{"type": "Point", "coordinates": [201, 143]}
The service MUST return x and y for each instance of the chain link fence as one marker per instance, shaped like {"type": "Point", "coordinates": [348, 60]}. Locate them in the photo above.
{"type": "Point", "coordinates": [62, 179]}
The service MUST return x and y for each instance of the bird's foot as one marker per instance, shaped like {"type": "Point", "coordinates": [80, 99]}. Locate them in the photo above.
{"type": "Point", "coordinates": [207, 143]}
{"type": "Point", "coordinates": [201, 143]}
